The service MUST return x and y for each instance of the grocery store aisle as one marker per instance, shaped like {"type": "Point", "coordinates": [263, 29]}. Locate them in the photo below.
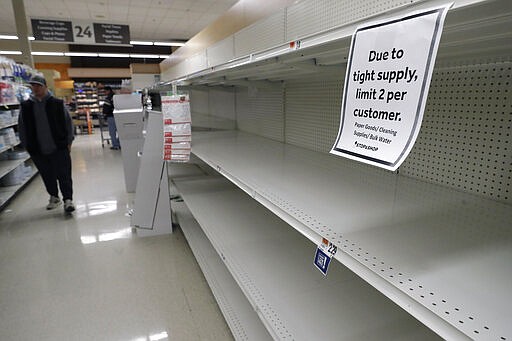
{"type": "Point", "coordinates": [87, 276]}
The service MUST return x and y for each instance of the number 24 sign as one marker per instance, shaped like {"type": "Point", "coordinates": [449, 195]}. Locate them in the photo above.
{"type": "Point", "coordinates": [83, 32]}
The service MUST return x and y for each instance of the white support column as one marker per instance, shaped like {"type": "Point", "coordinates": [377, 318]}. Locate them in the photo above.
{"type": "Point", "coordinates": [22, 31]}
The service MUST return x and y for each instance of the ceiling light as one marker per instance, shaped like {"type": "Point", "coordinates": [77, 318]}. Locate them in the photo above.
{"type": "Point", "coordinates": [135, 55]}
{"type": "Point", "coordinates": [90, 54]}
{"type": "Point", "coordinates": [114, 55]}
{"type": "Point", "coordinates": [137, 42]}
{"type": "Point", "coordinates": [159, 336]}
{"type": "Point", "coordinates": [80, 54]}
{"type": "Point", "coordinates": [10, 52]}
{"type": "Point", "coordinates": [60, 54]}
{"type": "Point", "coordinates": [88, 239]}
{"type": "Point", "coordinates": [168, 43]}
{"type": "Point", "coordinates": [11, 37]}
{"type": "Point", "coordinates": [8, 37]}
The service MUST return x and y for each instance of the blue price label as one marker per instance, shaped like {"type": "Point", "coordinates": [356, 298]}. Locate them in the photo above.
{"type": "Point", "coordinates": [322, 261]}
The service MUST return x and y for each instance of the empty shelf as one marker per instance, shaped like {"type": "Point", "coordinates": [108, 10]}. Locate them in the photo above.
{"type": "Point", "coordinates": [239, 314]}
{"type": "Point", "coordinates": [273, 265]}
{"type": "Point", "coordinates": [441, 254]}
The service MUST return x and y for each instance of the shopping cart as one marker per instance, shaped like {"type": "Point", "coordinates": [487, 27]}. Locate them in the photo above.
{"type": "Point", "coordinates": [103, 123]}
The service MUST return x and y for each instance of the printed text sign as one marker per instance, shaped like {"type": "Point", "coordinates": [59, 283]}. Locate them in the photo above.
{"type": "Point", "coordinates": [386, 86]}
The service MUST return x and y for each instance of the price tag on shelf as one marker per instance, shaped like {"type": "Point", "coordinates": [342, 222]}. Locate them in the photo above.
{"type": "Point", "coordinates": [323, 255]}
{"type": "Point", "coordinates": [295, 45]}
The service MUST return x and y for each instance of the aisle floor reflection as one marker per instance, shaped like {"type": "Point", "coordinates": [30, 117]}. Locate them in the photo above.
{"type": "Point", "coordinates": [87, 275]}
{"type": "Point", "coordinates": [91, 209]}
{"type": "Point", "coordinates": [107, 236]}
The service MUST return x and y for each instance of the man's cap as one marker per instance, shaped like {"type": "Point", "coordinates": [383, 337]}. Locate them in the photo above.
{"type": "Point", "coordinates": [37, 80]}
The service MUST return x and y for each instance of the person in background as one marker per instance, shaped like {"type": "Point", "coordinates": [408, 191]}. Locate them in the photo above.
{"type": "Point", "coordinates": [108, 113]}
{"type": "Point", "coordinates": [46, 131]}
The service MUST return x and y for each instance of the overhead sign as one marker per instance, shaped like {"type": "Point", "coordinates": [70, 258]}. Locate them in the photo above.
{"type": "Point", "coordinates": [80, 32]}
{"type": "Point", "coordinates": [52, 30]}
{"type": "Point", "coordinates": [112, 34]}
{"type": "Point", "coordinates": [386, 86]}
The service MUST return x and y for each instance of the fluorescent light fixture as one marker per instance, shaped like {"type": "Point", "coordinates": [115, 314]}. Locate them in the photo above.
{"type": "Point", "coordinates": [132, 42]}
{"type": "Point", "coordinates": [90, 54]}
{"type": "Point", "coordinates": [159, 336]}
{"type": "Point", "coordinates": [88, 239]}
{"type": "Point", "coordinates": [59, 54]}
{"type": "Point", "coordinates": [135, 55]}
{"type": "Point", "coordinates": [8, 37]}
{"type": "Point", "coordinates": [114, 55]}
{"type": "Point", "coordinates": [138, 42]}
{"type": "Point", "coordinates": [80, 54]}
{"type": "Point", "coordinates": [10, 52]}
{"type": "Point", "coordinates": [11, 37]}
{"type": "Point", "coordinates": [168, 43]}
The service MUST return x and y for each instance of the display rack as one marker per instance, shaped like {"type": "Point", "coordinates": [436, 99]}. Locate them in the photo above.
{"type": "Point", "coordinates": [87, 106]}
{"type": "Point", "coordinates": [404, 236]}
{"type": "Point", "coordinates": [436, 237]}
{"type": "Point", "coordinates": [240, 315]}
{"type": "Point", "coordinates": [15, 170]}
{"type": "Point", "coordinates": [273, 266]}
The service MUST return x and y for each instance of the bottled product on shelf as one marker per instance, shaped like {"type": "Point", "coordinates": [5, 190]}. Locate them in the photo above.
{"type": "Point", "coordinates": [87, 97]}
{"type": "Point", "coordinates": [13, 81]}
{"type": "Point", "coordinates": [87, 106]}
{"type": "Point", "coordinates": [16, 168]}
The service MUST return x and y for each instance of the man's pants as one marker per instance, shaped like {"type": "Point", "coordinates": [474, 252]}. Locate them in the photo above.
{"type": "Point", "coordinates": [56, 167]}
{"type": "Point", "coordinates": [112, 130]}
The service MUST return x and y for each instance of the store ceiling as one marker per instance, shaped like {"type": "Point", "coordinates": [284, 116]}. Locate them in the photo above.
{"type": "Point", "coordinates": [148, 20]}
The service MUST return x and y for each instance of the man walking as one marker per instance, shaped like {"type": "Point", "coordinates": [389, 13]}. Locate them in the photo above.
{"type": "Point", "coordinates": [108, 113]}
{"type": "Point", "coordinates": [46, 132]}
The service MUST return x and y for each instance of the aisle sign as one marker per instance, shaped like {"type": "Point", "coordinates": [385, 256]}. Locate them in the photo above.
{"type": "Point", "coordinates": [386, 86]}
{"type": "Point", "coordinates": [83, 33]}
{"type": "Point", "coordinates": [112, 34]}
{"type": "Point", "coordinates": [52, 30]}
{"type": "Point", "coordinates": [80, 32]}
{"type": "Point", "coordinates": [323, 255]}
{"type": "Point", "coordinates": [177, 128]}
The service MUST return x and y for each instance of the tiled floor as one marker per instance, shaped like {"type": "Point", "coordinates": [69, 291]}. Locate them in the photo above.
{"type": "Point", "coordinates": [87, 276]}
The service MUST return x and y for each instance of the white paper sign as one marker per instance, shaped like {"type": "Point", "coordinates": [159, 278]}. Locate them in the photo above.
{"type": "Point", "coordinates": [177, 128]}
{"type": "Point", "coordinates": [386, 86]}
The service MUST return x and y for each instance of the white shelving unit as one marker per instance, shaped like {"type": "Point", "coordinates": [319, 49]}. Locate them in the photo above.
{"type": "Point", "coordinates": [240, 315]}
{"type": "Point", "coordinates": [272, 264]}
{"type": "Point", "coordinates": [8, 125]}
{"type": "Point", "coordinates": [417, 243]}
{"type": "Point", "coordinates": [434, 238]}
{"type": "Point", "coordinates": [7, 166]}
{"type": "Point", "coordinates": [8, 192]}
